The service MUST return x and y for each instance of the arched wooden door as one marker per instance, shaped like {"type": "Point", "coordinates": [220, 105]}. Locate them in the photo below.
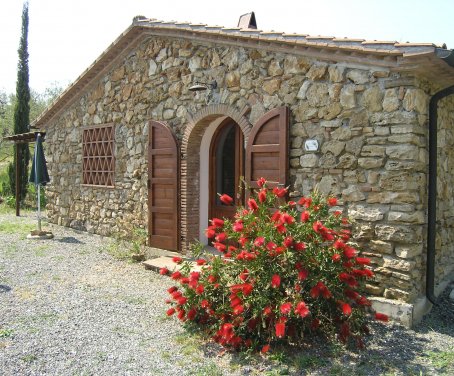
{"type": "Point", "coordinates": [226, 168]}
{"type": "Point", "coordinates": [163, 219]}
{"type": "Point", "coordinates": [267, 149]}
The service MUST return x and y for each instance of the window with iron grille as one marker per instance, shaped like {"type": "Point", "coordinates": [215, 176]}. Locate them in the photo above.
{"type": "Point", "coordinates": [98, 155]}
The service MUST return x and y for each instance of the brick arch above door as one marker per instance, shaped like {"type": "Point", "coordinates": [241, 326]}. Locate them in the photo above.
{"type": "Point", "coordinates": [190, 163]}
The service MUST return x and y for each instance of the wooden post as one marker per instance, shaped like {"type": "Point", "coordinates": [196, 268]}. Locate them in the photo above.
{"type": "Point", "coordinates": [18, 156]}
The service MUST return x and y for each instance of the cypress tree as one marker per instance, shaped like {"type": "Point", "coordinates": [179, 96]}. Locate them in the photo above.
{"type": "Point", "coordinates": [22, 109]}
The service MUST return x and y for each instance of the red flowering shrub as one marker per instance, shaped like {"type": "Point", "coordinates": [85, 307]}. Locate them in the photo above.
{"type": "Point", "coordinates": [284, 272]}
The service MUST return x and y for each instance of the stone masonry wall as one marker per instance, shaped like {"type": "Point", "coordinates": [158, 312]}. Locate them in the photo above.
{"type": "Point", "coordinates": [444, 256]}
{"type": "Point", "coordinates": [371, 126]}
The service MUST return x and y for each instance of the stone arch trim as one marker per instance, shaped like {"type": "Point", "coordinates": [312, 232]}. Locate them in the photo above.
{"type": "Point", "coordinates": [190, 163]}
{"type": "Point", "coordinates": [211, 112]}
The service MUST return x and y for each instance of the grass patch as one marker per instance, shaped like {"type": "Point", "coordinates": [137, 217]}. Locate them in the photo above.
{"type": "Point", "coordinates": [29, 358]}
{"type": "Point", "coordinates": [210, 369]}
{"type": "Point", "coordinates": [6, 333]}
{"type": "Point", "coordinates": [16, 227]}
{"type": "Point", "coordinates": [41, 250]}
{"type": "Point", "coordinates": [118, 251]}
{"type": "Point", "coordinates": [442, 359]}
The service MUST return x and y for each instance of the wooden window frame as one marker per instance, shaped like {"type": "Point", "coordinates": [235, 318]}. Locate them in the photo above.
{"type": "Point", "coordinates": [94, 150]}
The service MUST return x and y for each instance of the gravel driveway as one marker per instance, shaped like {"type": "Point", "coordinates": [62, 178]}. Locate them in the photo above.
{"type": "Point", "coordinates": [68, 307]}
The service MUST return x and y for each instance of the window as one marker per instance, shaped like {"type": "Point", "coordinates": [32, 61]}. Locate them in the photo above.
{"type": "Point", "coordinates": [98, 155]}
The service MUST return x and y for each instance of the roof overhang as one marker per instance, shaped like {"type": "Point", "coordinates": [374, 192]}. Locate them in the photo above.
{"type": "Point", "coordinates": [25, 138]}
{"type": "Point", "coordinates": [423, 59]}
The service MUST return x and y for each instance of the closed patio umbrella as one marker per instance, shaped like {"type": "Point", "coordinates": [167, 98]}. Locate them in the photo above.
{"type": "Point", "coordinates": [39, 174]}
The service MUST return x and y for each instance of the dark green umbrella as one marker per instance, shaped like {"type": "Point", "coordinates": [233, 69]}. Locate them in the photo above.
{"type": "Point", "coordinates": [39, 174]}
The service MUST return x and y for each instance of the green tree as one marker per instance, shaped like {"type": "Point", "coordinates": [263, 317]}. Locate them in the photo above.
{"type": "Point", "coordinates": [22, 110]}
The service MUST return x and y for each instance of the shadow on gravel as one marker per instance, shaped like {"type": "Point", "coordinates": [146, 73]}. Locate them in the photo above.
{"type": "Point", "coordinates": [4, 288]}
{"type": "Point", "coordinates": [70, 240]}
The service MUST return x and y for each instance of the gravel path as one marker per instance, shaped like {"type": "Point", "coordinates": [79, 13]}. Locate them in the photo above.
{"type": "Point", "coordinates": [68, 307]}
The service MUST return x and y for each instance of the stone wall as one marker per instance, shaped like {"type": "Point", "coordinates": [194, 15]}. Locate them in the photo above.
{"type": "Point", "coordinates": [371, 126]}
{"type": "Point", "coordinates": [444, 256]}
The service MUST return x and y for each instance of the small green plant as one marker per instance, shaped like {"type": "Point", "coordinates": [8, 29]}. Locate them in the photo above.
{"type": "Point", "coordinates": [442, 359]}
{"type": "Point", "coordinates": [5, 333]}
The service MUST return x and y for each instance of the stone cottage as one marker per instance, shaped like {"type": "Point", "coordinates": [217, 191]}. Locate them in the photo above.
{"type": "Point", "coordinates": [172, 113]}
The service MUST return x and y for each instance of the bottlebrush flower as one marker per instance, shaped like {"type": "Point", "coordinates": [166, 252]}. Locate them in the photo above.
{"type": "Point", "coordinates": [301, 309]}
{"type": "Point", "coordinates": [317, 227]}
{"type": "Point", "coordinates": [279, 192]}
{"type": "Point", "coordinates": [201, 262]}
{"type": "Point", "coordinates": [270, 246]}
{"type": "Point", "coordinates": [261, 182]}
{"type": "Point", "coordinates": [267, 311]}
{"type": "Point", "coordinates": [265, 349]}
{"type": "Point", "coordinates": [346, 308]}
{"type": "Point", "coordinates": [219, 246]}
{"type": "Point", "coordinates": [275, 280]}
{"type": "Point", "coordinates": [287, 218]}
{"type": "Point", "coordinates": [191, 314]}
{"type": "Point", "coordinates": [221, 237]}
{"type": "Point", "coordinates": [288, 241]}
{"type": "Point", "coordinates": [301, 246]}
{"type": "Point", "coordinates": [280, 228]}
{"type": "Point", "coordinates": [305, 216]}
{"type": "Point", "coordinates": [339, 244]}
{"type": "Point", "coordinates": [363, 260]}
{"type": "Point", "coordinates": [336, 257]}
{"type": "Point", "coordinates": [332, 201]}
{"type": "Point", "coordinates": [238, 309]}
{"type": "Point", "coordinates": [211, 279]}
{"type": "Point", "coordinates": [286, 308]}
{"type": "Point", "coordinates": [182, 300]}
{"type": "Point", "coordinates": [164, 271]}
{"type": "Point", "coordinates": [177, 260]}
{"type": "Point", "coordinates": [252, 204]}
{"type": "Point", "coordinates": [176, 275]}
{"type": "Point", "coordinates": [258, 242]}
{"type": "Point", "coordinates": [247, 289]}
{"type": "Point", "coordinates": [226, 199]}
{"type": "Point", "coordinates": [210, 232]}
{"type": "Point", "coordinates": [204, 304]}
{"type": "Point", "coordinates": [381, 317]}
{"type": "Point", "coordinates": [170, 311]}
{"type": "Point", "coordinates": [172, 289]}
{"type": "Point", "coordinates": [238, 226]}
{"type": "Point", "coordinates": [199, 289]}
{"type": "Point", "coordinates": [302, 274]}
{"type": "Point", "coordinates": [280, 329]}
{"type": "Point", "coordinates": [349, 252]}
{"type": "Point", "coordinates": [262, 196]}
{"type": "Point", "coordinates": [218, 223]}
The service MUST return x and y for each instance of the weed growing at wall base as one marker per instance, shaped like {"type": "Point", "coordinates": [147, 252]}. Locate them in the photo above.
{"type": "Point", "coordinates": [287, 270]}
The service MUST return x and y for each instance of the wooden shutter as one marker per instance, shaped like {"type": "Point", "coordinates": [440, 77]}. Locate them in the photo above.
{"type": "Point", "coordinates": [267, 149]}
{"type": "Point", "coordinates": [163, 171]}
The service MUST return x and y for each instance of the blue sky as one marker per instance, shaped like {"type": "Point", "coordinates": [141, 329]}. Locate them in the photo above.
{"type": "Point", "coordinates": [66, 36]}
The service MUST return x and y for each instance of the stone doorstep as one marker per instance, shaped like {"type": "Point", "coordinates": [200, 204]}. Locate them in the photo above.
{"type": "Point", "coordinates": [156, 264]}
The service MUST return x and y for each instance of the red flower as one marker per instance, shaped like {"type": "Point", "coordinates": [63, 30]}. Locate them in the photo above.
{"type": "Point", "coordinates": [258, 242]}
{"type": "Point", "coordinates": [349, 252]}
{"type": "Point", "coordinates": [279, 192]}
{"type": "Point", "coordinates": [211, 279]}
{"type": "Point", "coordinates": [176, 275]}
{"type": "Point", "coordinates": [201, 262]}
{"type": "Point", "coordinates": [318, 289]}
{"type": "Point", "coordinates": [170, 311]}
{"type": "Point", "coordinates": [262, 196]}
{"type": "Point", "coordinates": [238, 309]}
{"type": "Point", "coordinates": [191, 314]}
{"type": "Point", "coordinates": [199, 289]}
{"type": "Point", "coordinates": [270, 246]}
{"type": "Point", "coordinates": [280, 228]}
{"type": "Point", "coordinates": [317, 227]}
{"type": "Point", "coordinates": [226, 199]}
{"type": "Point", "coordinates": [302, 274]}
{"type": "Point", "coordinates": [362, 300]}
{"type": "Point", "coordinates": [336, 257]}
{"type": "Point", "coordinates": [275, 280]}
{"type": "Point", "coordinates": [267, 311]}
{"type": "Point", "coordinates": [288, 241]}
{"type": "Point", "coordinates": [305, 216]}
{"type": "Point", "coordinates": [243, 240]}
{"type": "Point", "coordinates": [219, 246]}
{"type": "Point", "coordinates": [261, 182]}
{"type": "Point", "coordinates": [252, 204]}
{"type": "Point", "coordinates": [363, 260]}
{"type": "Point", "coordinates": [339, 244]}
{"type": "Point", "coordinates": [301, 309]}
{"type": "Point", "coordinates": [244, 275]}
{"type": "Point", "coordinates": [204, 303]}
{"type": "Point", "coordinates": [381, 317]}
{"type": "Point", "coordinates": [182, 300]}
{"type": "Point", "coordinates": [238, 226]}
{"type": "Point", "coordinates": [287, 218]}
{"type": "Point", "coordinates": [177, 260]}
{"type": "Point", "coordinates": [332, 201]}
{"type": "Point", "coordinates": [217, 222]}
{"type": "Point", "coordinates": [247, 289]}
{"type": "Point", "coordinates": [164, 271]}
{"type": "Point", "coordinates": [348, 279]}
{"type": "Point", "coordinates": [286, 308]}
{"type": "Point", "coordinates": [301, 246]}
{"type": "Point", "coordinates": [280, 328]}
{"type": "Point", "coordinates": [210, 232]}
{"type": "Point", "coordinates": [265, 349]}
{"type": "Point", "coordinates": [276, 216]}
{"type": "Point", "coordinates": [346, 309]}
{"type": "Point", "coordinates": [172, 289]}
{"type": "Point", "coordinates": [221, 237]}
{"type": "Point", "coordinates": [337, 213]}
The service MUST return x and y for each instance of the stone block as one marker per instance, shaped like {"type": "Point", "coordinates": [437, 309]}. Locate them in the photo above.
{"type": "Point", "coordinates": [373, 151]}
{"type": "Point", "coordinates": [417, 217]}
{"type": "Point", "coordinates": [407, 251]}
{"type": "Point", "coordinates": [402, 234]}
{"type": "Point", "coordinates": [334, 147]}
{"type": "Point", "coordinates": [347, 96]}
{"type": "Point", "coordinates": [381, 246]}
{"type": "Point", "coordinates": [309, 160]}
{"type": "Point", "coordinates": [370, 163]}
{"type": "Point", "coordinates": [373, 97]}
{"type": "Point", "coordinates": [336, 73]}
{"type": "Point", "coordinates": [317, 71]}
{"type": "Point", "coordinates": [353, 194]}
{"type": "Point", "coordinates": [358, 76]}
{"type": "Point", "coordinates": [365, 213]}
{"type": "Point", "coordinates": [403, 151]}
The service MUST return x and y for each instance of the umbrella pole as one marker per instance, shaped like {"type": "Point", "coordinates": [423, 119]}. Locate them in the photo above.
{"type": "Point", "coordinates": [39, 208]}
